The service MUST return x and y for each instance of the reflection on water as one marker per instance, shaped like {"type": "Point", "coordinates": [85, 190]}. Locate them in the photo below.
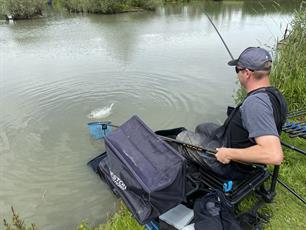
{"type": "Point", "coordinates": [168, 67]}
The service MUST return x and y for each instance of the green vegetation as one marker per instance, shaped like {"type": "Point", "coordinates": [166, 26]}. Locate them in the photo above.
{"type": "Point", "coordinates": [25, 9]}
{"type": "Point", "coordinates": [17, 223]}
{"type": "Point", "coordinates": [289, 72]}
{"type": "Point", "coordinates": [175, 1]}
{"type": "Point", "coordinates": [122, 219]}
{"type": "Point", "coordinates": [22, 9]}
{"type": "Point", "coordinates": [106, 6]}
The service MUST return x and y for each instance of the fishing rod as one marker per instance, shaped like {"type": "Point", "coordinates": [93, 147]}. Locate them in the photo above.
{"type": "Point", "coordinates": [229, 52]}
{"type": "Point", "coordinates": [293, 148]}
{"type": "Point", "coordinates": [298, 130]}
{"type": "Point", "coordinates": [190, 146]}
{"type": "Point", "coordinates": [193, 156]}
{"type": "Point", "coordinates": [302, 134]}
{"type": "Point", "coordinates": [297, 113]}
{"type": "Point", "coordinates": [295, 130]}
{"type": "Point", "coordinates": [290, 125]}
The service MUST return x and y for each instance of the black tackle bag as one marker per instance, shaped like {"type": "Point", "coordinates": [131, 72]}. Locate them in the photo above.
{"type": "Point", "coordinates": [214, 212]}
{"type": "Point", "coordinates": [146, 172]}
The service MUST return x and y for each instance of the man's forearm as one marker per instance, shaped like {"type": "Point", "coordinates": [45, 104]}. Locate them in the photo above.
{"type": "Point", "coordinates": [254, 154]}
{"type": "Point", "coordinates": [267, 151]}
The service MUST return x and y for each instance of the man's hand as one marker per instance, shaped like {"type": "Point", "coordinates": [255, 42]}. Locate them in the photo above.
{"type": "Point", "coordinates": [223, 155]}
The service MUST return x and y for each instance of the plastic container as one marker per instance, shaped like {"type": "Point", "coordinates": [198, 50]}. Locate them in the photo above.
{"type": "Point", "coordinates": [179, 216]}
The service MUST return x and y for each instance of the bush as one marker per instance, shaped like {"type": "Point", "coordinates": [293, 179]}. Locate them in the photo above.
{"type": "Point", "coordinates": [106, 6]}
{"type": "Point", "coordinates": [22, 9]}
{"type": "Point", "coordinates": [17, 223]}
{"type": "Point", "coordinates": [148, 4]}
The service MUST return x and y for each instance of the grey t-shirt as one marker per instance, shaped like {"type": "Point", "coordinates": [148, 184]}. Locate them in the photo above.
{"type": "Point", "coordinates": [257, 116]}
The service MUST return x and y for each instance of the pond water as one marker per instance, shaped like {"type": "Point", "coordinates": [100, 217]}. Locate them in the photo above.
{"type": "Point", "coordinates": [168, 67]}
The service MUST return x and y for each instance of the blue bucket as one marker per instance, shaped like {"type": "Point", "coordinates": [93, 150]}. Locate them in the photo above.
{"type": "Point", "coordinates": [99, 130]}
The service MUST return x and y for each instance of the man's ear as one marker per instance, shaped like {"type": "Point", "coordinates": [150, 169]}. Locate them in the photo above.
{"type": "Point", "coordinates": [248, 73]}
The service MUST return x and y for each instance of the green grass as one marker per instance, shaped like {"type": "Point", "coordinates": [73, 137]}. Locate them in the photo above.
{"type": "Point", "coordinates": [122, 219]}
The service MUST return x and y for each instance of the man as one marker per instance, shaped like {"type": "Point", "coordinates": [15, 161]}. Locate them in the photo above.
{"type": "Point", "coordinates": [251, 132]}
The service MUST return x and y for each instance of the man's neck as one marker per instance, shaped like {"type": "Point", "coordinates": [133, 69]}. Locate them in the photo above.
{"type": "Point", "coordinates": [258, 84]}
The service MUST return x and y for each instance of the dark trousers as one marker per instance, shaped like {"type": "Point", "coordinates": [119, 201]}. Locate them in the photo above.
{"type": "Point", "coordinates": [204, 136]}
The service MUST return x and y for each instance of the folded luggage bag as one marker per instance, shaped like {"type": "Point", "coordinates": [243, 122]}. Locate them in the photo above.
{"type": "Point", "coordinates": [147, 173]}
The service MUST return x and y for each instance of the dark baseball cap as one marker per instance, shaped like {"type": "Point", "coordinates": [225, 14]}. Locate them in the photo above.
{"type": "Point", "coordinates": [253, 58]}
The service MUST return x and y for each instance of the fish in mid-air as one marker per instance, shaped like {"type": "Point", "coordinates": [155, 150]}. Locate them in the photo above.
{"type": "Point", "coordinates": [101, 113]}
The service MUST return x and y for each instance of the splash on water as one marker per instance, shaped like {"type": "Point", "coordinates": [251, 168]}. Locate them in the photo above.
{"type": "Point", "coordinates": [101, 113]}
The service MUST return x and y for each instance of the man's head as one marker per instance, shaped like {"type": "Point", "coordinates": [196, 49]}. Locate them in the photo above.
{"type": "Point", "coordinates": [253, 67]}
{"type": "Point", "coordinates": [253, 59]}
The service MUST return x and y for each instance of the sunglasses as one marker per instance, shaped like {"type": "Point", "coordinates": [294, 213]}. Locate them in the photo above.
{"type": "Point", "coordinates": [238, 69]}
